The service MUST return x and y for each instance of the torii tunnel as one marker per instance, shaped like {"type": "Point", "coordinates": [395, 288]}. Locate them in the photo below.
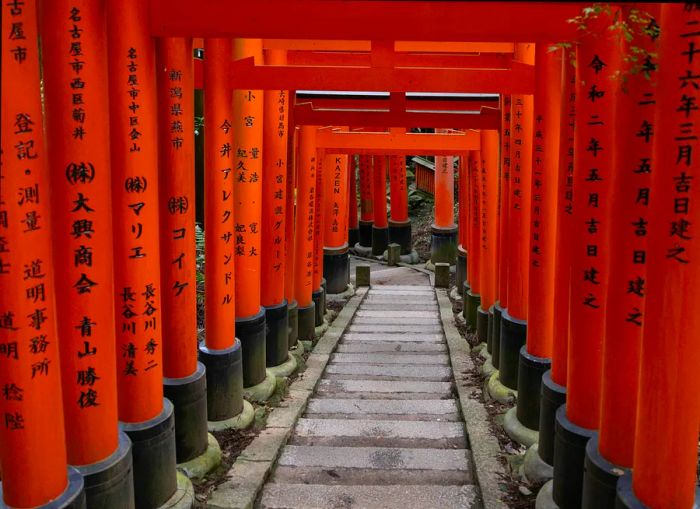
{"type": "Point", "coordinates": [565, 198]}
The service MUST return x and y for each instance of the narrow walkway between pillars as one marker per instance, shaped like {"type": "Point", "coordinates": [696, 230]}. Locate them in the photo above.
{"type": "Point", "coordinates": [383, 428]}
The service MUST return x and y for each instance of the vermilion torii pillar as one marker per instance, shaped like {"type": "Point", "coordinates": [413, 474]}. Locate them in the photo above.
{"type": "Point", "coordinates": [472, 297]}
{"type": "Point", "coordinates": [366, 168]}
{"type": "Point", "coordinates": [221, 350]}
{"type": "Point", "coordinates": [399, 224]}
{"type": "Point", "coordinates": [304, 232]}
{"type": "Point", "coordinates": [353, 225]}
{"type": "Point", "coordinates": [597, 59]}
{"type": "Point", "coordinates": [77, 105]}
{"type": "Point", "coordinates": [336, 264]}
{"type": "Point", "coordinates": [146, 416]}
{"type": "Point", "coordinates": [611, 452]}
{"type": "Point", "coordinates": [462, 221]}
{"type": "Point", "coordinates": [554, 381]}
{"type": "Point", "coordinates": [380, 228]}
{"type": "Point", "coordinates": [668, 411]}
{"type": "Point", "coordinates": [503, 231]}
{"type": "Point", "coordinates": [274, 196]}
{"type": "Point", "coordinates": [514, 318]}
{"type": "Point", "coordinates": [317, 282]}
{"type": "Point", "coordinates": [290, 265]}
{"type": "Point", "coordinates": [32, 448]}
{"type": "Point", "coordinates": [444, 230]}
{"type": "Point", "coordinates": [247, 153]}
{"type": "Point", "coordinates": [536, 353]}
{"type": "Point", "coordinates": [184, 380]}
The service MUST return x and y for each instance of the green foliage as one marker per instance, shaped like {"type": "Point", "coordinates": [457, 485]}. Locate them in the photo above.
{"type": "Point", "coordinates": [199, 248]}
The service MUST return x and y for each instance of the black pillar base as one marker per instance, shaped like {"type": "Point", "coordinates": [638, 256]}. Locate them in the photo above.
{"type": "Point", "coordinates": [400, 233]}
{"type": "Point", "coordinates": [109, 484]}
{"type": "Point", "coordinates": [513, 336]}
{"type": "Point", "coordinates": [530, 372]}
{"type": "Point", "coordinates": [599, 478]}
{"type": "Point", "coordinates": [463, 293]}
{"type": "Point", "coordinates": [496, 340]}
{"type": "Point", "coordinates": [569, 453]}
{"type": "Point", "coordinates": [482, 324]}
{"type": "Point", "coordinates": [472, 302]}
{"type": "Point", "coordinates": [251, 331]}
{"type": "Point", "coordinates": [365, 231]}
{"type": "Point", "coordinates": [318, 296]}
{"type": "Point", "coordinates": [277, 336]}
{"type": "Point", "coordinates": [461, 269]}
{"type": "Point", "coordinates": [189, 397]}
{"type": "Point", "coordinates": [292, 317]}
{"type": "Point", "coordinates": [224, 371]}
{"type": "Point", "coordinates": [489, 330]}
{"type": "Point", "coordinates": [353, 236]}
{"type": "Point", "coordinates": [153, 451]}
{"type": "Point", "coordinates": [307, 322]}
{"type": "Point", "coordinates": [443, 247]}
{"type": "Point", "coordinates": [336, 268]}
{"type": "Point", "coordinates": [552, 397]}
{"type": "Point", "coordinates": [380, 240]}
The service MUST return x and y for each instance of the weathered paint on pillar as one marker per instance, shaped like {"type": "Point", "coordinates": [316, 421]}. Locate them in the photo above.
{"type": "Point", "coordinates": [335, 201]}
{"type": "Point", "coordinates": [473, 249]}
{"type": "Point", "coordinates": [521, 126]}
{"type": "Point", "coordinates": [564, 227]}
{"type": "Point", "coordinates": [398, 190]}
{"type": "Point", "coordinates": [504, 203]}
{"type": "Point", "coordinates": [219, 220]}
{"type": "Point", "coordinates": [488, 209]}
{"type": "Point", "coordinates": [137, 289]}
{"type": "Point", "coordinates": [306, 197]}
{"type": "Point", "coordinates": [248, 178]}
{"type": "Point", "coordinates": [274, 199]}
{"type": "Point", "coordinates": [463, 198]}
{"type": "Point", "coordinates": [379, 185]}
{"type": "Point", "coordinates": [321, 161]}
{"type": "Point", "coordinates": [444, 192]}
{"type": "Point", "coordinates": [32, 447]}
{"type": "Point", "coordinates": [352, 194]}
{"type": "Point", "coordinates": [598, 59]}
{"type": "Point", "coordinates": [177, 205]}
{"type": "Point", "coordinates": [81, 211]}
{"type": "Point", "coordinates": [545, 168]}
{"type": "Point", "coordinates": [665, 452]}
{"type": "Point", "coordinates": [292, 199]}
{"type": "Point", "coordinates": [366, 188]}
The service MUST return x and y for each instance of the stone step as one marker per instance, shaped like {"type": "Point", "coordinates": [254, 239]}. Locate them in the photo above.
{"type": "Point", "coordinates": [395, 320]}
{"type": "Point", "coordinates": [401, 290]}
{"type": "Point", "coordinates": [374, 433]}
{"type": "Point", "coordinates": [402, 337]}
{"type": "Point", "coordinates": [394, 314]}
{"type": "Point", "coordinates": [354, 371]}
{"type": "Point", "coordinates": [391, 358]}
{"type": "Point", "coordinates": [318, 496]}
{"type": "Point", "coordinates": [418, 409]}
{"type": "Point", "coordinates": [405, 307]}
{"type": "Point", "coordinates": [361, 346]}
{"type": "Point", "coordinates": [402, 329]}
{"type": "Point", "coordinates": [426, 288]}
{"type": "Point", "coordinates": [373, 465]}
{"type": "Point", "coordinates": [377, 389]}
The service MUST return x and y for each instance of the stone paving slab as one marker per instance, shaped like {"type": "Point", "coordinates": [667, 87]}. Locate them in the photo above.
{"type": "Point", "coordinates": [381, 389]}
{"type": "Point", "coordinates": [386, 358]}
{"type": "Point", "coordinates": [436, 373]}
{"type": "Point", "coordinates": [360, 346]}
{"type": "Point", "coordinates": [436, 407]}
{"type": "Point", "coordinates": [393, 329]}
{"type": "Point", "coordinates": [289, 496]}
{"type": "Point", "coordinates": [407, 337]}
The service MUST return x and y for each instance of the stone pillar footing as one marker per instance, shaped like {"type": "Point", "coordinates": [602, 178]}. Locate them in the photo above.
{"type": "Point", "coordinates": [189, 398]}
{"type": "Point", "coordinates": [530, 371]}
{"type": "Point", "coordinates": [569, 455]}
{"type": "Point", "coordinates": [260, 393]}
{"type": "Point", "coordinates": [154, 459]}
{"type": "Point", "coordinates": [482, 323]}
{"type": "Point", "coordinates": [109, 483]}
{"type": "Point", "coordinates": [336, 268]}
{"type": "Point", "coordinates": [461, 269]}
{"type": "Point", "coordinates": [496, 341]}
{"type": "Point", "coordinates": [293, 324]}
{"type": "Point", "coordinates": [277, 335]}
{"type": "Point", "coordinates": [400, 233]}
{"type": "Point", "coordinates": [552, 397]}
{"type": "Point", "coordinates": [380, 240]}
{"type": "Point", "coordinates": [517, 430]}
{"type": "Point", "coordinates": [306, 317]}
{"type": "Point", "coordinates": [513, 336]}
{"type": "Point", "coordinates": [242, 420]}
{"type": "Point", "coordinates": [199, 467]}
{"type": "Point", "coordinates": [443, 247]}
{"type": "Point", "coordinates": [251, 331]}
{"type": "Point", "coordinates": [599, 479]}
{"type": "Point", "coordinates": [224, 372]}
{"type": "Point", "coordinates": [365, 233]}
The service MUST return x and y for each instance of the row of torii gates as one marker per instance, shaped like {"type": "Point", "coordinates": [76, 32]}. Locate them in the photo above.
{"type": "Point", "coordinates": [569, 190]}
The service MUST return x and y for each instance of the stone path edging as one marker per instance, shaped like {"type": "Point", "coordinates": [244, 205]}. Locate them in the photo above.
{"type": "Point", "coordinates": [484, 446]}
{"type": "Point", "coordinates": [250, 470]}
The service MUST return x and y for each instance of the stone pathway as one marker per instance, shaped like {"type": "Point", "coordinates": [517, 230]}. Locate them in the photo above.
{"type": "Point", "coordinates": [383, 429]}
